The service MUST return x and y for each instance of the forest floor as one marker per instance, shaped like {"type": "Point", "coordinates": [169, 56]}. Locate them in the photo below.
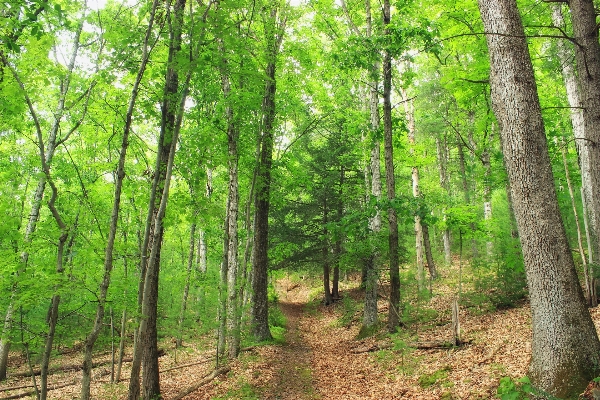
{"type": "Point", "coordinates": [320, 357]}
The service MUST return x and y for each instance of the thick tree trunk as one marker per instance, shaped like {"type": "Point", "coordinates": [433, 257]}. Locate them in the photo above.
{"type": "Point", "coordinates": [394, 300]}
{"type": "Point", "coordinates": [565, 346]}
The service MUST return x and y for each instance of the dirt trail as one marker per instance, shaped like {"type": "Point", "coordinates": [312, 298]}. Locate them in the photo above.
{"type": "Point", "coordinates": [316, 361]}
{"type": "Point", "coordinates": [293, 379]}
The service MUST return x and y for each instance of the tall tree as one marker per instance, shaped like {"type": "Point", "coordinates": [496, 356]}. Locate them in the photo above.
{"type": "Point", "coordinates": [274, 29]}
{"type": "Point", "coordinates": [394, 300]}
{"type": "Point", "coordinates": [587, 55]}
{"type": "Point", "coordinates": [565, 346]}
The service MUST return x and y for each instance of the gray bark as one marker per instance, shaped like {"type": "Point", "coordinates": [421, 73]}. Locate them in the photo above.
{"type": "Point", "coordinates": [374, 173]}
{"type": "Point", "coordinates": [186, 288]}
{"type": "Point", "coordinates": [565, 346]}
{"type": "Point", "coordinates": [394, 300]}
{"type": "Point", "coordinates": [585, 109]}
{"type": "Point", "coordinates": [442, 157]}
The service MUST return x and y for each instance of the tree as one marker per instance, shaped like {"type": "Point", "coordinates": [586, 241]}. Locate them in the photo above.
{"type": "Point", "coordinates": [587, 55]}
{"type": "Point", "coordinates": [274, 31]}
{"type": "Point", "coordinates": [565, 346]}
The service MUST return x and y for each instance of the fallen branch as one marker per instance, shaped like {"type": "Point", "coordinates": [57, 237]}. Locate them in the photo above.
{"type": "Point", "coordinates": [438, 345]}
{"type": "Point", "coordinates": [201, 383]}
{"type": "Point", "coordinates": [189, 364]}
{"type": "Point", "coordinates": [370, 349]}
{"type": "Point", "coordinates": [70, 367]}
{"type": "Point", "coordinates": [50, 387]}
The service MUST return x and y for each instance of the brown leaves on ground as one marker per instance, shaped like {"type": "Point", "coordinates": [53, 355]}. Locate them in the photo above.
{"type": "Point", "coordinates": [322, 359]}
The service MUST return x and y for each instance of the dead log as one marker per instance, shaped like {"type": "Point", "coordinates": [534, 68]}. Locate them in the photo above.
{"type": "Point", "coordinates": [32, 392]}
{"type": "Point", "coordinates": [438, 345]}
{"type": "Point", "coordinates": [204, 381]}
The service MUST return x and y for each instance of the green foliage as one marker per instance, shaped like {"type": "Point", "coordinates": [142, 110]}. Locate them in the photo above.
{"type": "Point", "coordinates": [349, 311]}
{"type": "Point", "coordinates": [437, 377]}
{"type": "Point", "coordinates": [514, 390]}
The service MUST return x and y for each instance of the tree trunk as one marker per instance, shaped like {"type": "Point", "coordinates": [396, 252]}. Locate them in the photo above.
{"type": "Point", "coordinates": [260, 307]}
{"type": "Point", "coordinates": [565, 346]}
{"type": "Point", "coordinates": [586, 271]}
{"type": "Point", "coordinates": [430, 262]}
{"type": "Point", "coordinates": [233, 317]}
{"type": "Point", "coordinates": [122, 338]}
{"type": "Point", "coordinates": [325, 253]}
{"type": "Point", "coordinates": [442, 157]}
{"type": "Point", "coordinates": [394, 300]}
{"type": "Point", "coordinates": [593, 287]}
{"type": "Point", "coordinates": [335, 293]}
{"type": "Point", "coordinates": [186, 289]}
{"type": "Point", "coordinates": [5, 339]}
{"type": "Point", "coordinates": [114, 220]}
{"type": "Point", "coordinates": [585, 107]}
{"type": "Point", "coordinates": [46, 158]}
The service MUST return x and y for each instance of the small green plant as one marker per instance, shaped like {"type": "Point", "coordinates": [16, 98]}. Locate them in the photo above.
{"type": "Point", "coordinates": [439, 376]}
{"type": "Point", "coordinates": [349, 310]}
{"type": "Point", "coordinates": [244, 391]}
{"type": "Point", "coordinates": [514, 390]}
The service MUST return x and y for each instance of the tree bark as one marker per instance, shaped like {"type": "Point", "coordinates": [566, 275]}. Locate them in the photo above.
{"type": "Point", "coordinates": [394, 300]}
{"type": "Point", "coordinates": [114, 220]}
{"type": "Point", "coordinates": [430, 261]}
{"type": "Point", "coordinates": [325, 253]}
{"type": "Point", "coordinates": [565, 346]}
{"type": "Point", "coordinates": [260, 308]}
{"type": "Point", "coordinates": [585, 109]}
{"type": "Point", "coordinates": [442, 157]}
{"type": "Point", "coordinates": [374, 173]}
{"type": "Point", "coordinates": [186, 288]}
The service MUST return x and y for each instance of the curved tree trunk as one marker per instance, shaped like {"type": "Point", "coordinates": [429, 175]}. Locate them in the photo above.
{"type": "Point", "coordinates": [565, 346]}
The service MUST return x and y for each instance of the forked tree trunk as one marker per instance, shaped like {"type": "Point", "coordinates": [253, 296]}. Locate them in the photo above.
{"type": "Point", "coordinates": [565, 347]}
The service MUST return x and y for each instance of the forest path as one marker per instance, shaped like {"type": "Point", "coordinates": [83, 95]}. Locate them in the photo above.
{"type": "Point", "coordinates": [293, 379]}
{"type": "Point", "coordinates": [317, 360]}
